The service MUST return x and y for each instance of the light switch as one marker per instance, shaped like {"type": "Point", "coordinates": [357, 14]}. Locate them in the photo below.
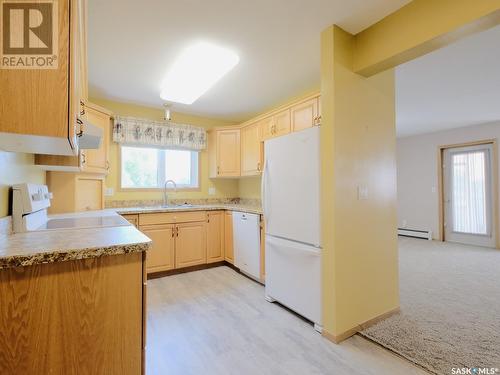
{"type": "Point", "coordinates": [109, 192]}
{"type": "Point", "coordinates": [362, 192]}
{"type": "Point", "coordinates": [211, 191]}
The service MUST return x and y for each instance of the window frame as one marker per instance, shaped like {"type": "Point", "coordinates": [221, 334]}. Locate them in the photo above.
{"type": "Point", "coordinates": [160, 174]}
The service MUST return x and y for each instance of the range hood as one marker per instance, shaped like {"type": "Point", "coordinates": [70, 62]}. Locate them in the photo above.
{"type": "Point", "coordinates": [91, 136]}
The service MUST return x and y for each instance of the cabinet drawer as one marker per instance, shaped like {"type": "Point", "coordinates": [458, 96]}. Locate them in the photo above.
{"type": "Point", "coordinates": [172, 217]}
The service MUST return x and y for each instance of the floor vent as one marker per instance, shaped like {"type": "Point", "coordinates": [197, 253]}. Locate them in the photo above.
{"type": "Point", "coordinates": [426, 234]}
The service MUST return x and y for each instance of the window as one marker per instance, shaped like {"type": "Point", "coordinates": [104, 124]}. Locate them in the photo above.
{"type": "Point", "coordinates": [149, 168]}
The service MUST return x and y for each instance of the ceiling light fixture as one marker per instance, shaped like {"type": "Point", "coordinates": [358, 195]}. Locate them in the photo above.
{"type": "Point", "coordinates": [195, 71]}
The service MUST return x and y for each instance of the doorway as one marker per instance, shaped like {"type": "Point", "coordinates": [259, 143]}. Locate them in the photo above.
{"type": "Point", "coordinates": [467, 194]}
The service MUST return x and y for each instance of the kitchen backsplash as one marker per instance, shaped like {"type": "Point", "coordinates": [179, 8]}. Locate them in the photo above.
{"type": "Point", "coordinates": [156, 202]}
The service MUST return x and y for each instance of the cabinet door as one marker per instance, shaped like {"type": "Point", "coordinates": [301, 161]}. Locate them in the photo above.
{"type": "Point", "coordinates": [282, 123]}
{"type": "Point", "coordinates": [190, 244]}
{"type": "Point", "coordinates": [305, 115]}
{"type": "Point", "coordinates": [267, 128]}
{"type": "Point", "coordinates": [35, 101]}
{"type": "Point", "coordinates": [215, 236]}
{"type": "Point", "coordinates": [251, 150]}
{"type": "Point", "coordinates": [97, 160]}
{"type": "Point", "coordinates": [228, 237]}
{"type": "Point", "coordinates": [161, 255]}
{"type": "Point", "coordinates": [89, 193]}
{"type": "Point", "coordinates": [228, 153]}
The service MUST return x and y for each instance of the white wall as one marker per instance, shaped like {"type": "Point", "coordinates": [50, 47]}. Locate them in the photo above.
{"type": "Point", "coordinates": [418, 201]}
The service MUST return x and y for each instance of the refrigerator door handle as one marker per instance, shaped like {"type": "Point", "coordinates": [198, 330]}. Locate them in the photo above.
{"type": "Point", "coordinates": [263, 189]}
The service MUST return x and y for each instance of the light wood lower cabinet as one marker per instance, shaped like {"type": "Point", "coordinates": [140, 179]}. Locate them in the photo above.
{"type": "Point", "coordinates": [175, 245]}
{"type": "Point", "coordinates": [228, 237]}
{"type": "Point", "coordinates": [215, 236]}
{"type": "Point", "coordinates": [132, 219]}
{"type": "Point", "coordinates": [161, 256]}
{"type": "Point", "coordinates": [185, 244]}
{"type": "Point", "coordinates": [190, 244]}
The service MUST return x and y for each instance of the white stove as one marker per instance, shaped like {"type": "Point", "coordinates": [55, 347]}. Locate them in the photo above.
{"type": "Point", "coordinates": [29, 212]}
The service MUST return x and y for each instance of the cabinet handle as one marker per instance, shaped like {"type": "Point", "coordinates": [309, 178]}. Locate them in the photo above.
{"type": "Point", "coordinates": [79, 125]}
{"type": "Point", "coordinates": [177, 232]}
{"type": "Point", "coordinates": [107, 166]}
{"type": "Point", "coordinates": [84, 159]}
{"type": "Point", "coordinates": [82, 108]}
{"type": "Point", "coordinates": [218, 170]}
{"type": "Point", "coordinates": [173, 232]}
{"type": "Point", "coordinates": [258, 167]}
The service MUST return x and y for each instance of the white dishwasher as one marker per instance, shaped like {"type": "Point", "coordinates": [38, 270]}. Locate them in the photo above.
{"type": "Point", "coordinates": [246, 243]}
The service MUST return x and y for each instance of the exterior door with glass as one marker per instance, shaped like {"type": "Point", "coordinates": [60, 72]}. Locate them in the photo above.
{"type": "Point", "coordinates": [468, 195]}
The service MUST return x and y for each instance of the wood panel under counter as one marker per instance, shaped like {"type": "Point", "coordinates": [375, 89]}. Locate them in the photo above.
{"type": "Point", "coordinates": [73, 310]}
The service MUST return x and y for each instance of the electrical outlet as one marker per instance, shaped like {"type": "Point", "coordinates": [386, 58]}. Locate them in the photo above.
{"type": "Point", "coordinates": [211, 191]}
{"type": "Point", "coordinates": [109, 192]}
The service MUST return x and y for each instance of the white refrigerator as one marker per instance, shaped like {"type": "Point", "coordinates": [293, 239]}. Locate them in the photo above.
{"type": "Point", "coordinates": [291, 204]}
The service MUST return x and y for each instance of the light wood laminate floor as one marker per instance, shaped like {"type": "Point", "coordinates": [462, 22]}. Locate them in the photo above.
{"type": "Point", "coordinates": [217, 321]}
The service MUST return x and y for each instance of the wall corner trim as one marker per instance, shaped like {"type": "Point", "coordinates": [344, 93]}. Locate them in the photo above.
{"type": "Point", "coordinates": [337, 339]}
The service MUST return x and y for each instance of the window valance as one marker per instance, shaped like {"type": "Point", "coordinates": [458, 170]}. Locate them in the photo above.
{"type": "Point", "coordinates": [163, 134]}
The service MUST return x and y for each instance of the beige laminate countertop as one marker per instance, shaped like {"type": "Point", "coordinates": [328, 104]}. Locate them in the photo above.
{"type": "Point", "coordinates": [50, 246]}
{"type": "Point", "coordinates": [201, 207]}
{"type": "Point", "coordinates": [57, 245]}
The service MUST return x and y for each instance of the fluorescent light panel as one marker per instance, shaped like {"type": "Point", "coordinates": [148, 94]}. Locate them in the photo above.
{"type": "Point", "coordinates": [195, 71]}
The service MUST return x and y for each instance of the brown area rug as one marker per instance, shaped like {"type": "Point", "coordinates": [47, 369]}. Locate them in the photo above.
{"type": "Point", "coordinates": [450, 307]}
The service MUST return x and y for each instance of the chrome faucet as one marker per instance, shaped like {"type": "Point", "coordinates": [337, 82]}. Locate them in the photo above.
{"type": "Point", "coordinates": [165, 195]}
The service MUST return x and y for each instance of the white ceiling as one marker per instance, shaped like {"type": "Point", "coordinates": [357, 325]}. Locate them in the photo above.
{"type": "Point", "coordinates": [132, 44]}
{"type": "Point", "coordinates": [452, 87]}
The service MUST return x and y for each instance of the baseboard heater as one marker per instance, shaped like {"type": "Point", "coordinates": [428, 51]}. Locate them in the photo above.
{"type": "Point", "coordinates": [426, 234]}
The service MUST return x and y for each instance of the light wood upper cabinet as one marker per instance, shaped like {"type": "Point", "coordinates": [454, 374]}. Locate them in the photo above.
{"type": "Point", "coordinates": [74, 192]}
{"type": "Point", "coordinates": [46, 102]}
{"type": "Point", "coordinates": [228, 237]}
{"type": "Point", "coordinates": [224, 153]}
{"type": "Point", "coordinates": [96, 161]}
{"type": "Point", "coordinates": [215, 236]}
{"type": "Point", "coordinates": [305, 115]}
{"type": "Point", "coordinates": [267, 128]}
{"type": "Point", "coordinates": [251, 150]}
{"type": "Point", "coordinates": [161, 255]}
{"type": "Point", "coordinates": [190, 244]}
{"type": "Point", "coordinates": [276, 125]}
{"type": "Point", "coordinates": [88, 161]}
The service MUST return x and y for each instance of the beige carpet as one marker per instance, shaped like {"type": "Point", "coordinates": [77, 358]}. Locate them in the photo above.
{"type": "Point", "coordinates": [450, 307]}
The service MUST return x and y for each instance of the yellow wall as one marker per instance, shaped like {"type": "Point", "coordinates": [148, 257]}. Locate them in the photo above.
{"type": "Point", "coordinates": [249, 187]}
{"type": "Point", "coordinates": [420, 27]}
{"type": "Point", "coordinates": [224, 188]}
{"type": "Point", "coordinates": [16, 168]}
{"type": "Point", "coordinates": [358, 148]}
